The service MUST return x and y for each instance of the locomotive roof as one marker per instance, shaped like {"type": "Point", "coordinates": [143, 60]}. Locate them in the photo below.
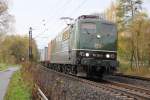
{"type": "Point", "coordinates": [94, 17]}
{"type": "Point", "coordinates": [88, 16]}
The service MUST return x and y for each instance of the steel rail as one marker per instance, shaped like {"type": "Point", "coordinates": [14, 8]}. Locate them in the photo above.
{"type": "Point", "coordinates": [132, 76]}
{"type": "Point", "coordinates": [137, 91]}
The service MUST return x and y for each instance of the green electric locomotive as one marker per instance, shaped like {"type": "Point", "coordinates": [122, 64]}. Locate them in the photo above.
{"type": "Point", "coordinates": [86, 48]}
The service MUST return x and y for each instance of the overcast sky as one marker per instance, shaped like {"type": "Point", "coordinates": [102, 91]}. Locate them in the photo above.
{"type": "Point", "coordinates": [44, 15]}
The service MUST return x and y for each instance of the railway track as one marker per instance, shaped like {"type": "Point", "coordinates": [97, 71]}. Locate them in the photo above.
{"type": "Point", "coordinates": [137, 81]}
{"type": "Point", "coordinates": [132, 76]}
{"type": "Point", "coordinates": [118, 90]}
{"type": "Point", "coordinates": [140, 93]}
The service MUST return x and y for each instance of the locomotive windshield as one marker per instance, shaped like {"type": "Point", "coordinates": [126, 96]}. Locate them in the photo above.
{"type": "Point", "coordinates": [98, 36]}
{"type": "Point", "coordinates": [88, 28]}
{"type": "Point", "coordinates": [107, 29]}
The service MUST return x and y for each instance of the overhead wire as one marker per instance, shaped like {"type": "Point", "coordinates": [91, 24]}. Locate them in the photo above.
{"type": "Point", "coordinates": [76, 9]}
{"type": "Point", "coordinates": [58, 10]}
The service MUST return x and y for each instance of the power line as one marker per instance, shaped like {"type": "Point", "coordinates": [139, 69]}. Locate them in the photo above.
{"type": "Point", "coordinates": [60, 9]}
{"type": "Point", "coordinates": [57, 12]}
{"type": "Point", "coordinates": [78, 7]}
{"type": "Point", "coordinates": [40, 34]}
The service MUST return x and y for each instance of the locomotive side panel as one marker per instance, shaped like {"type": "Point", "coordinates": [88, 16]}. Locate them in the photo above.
{"type": "Point", "coordinates": [60, 48]}
{"type": "Point", "coordinates": [43, 53]}
{"type": "Point", "coordinates": [49, 51]}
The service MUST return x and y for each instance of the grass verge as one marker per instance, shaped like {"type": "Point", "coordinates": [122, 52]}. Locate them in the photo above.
{"type": "Point", "coordinates": [17, 89]}
{"type": "Point", "coordinates": [3, 66]}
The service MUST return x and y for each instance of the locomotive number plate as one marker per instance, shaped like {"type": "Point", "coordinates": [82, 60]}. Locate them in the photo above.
{"type": "Point", "coordinates": [97, 45]}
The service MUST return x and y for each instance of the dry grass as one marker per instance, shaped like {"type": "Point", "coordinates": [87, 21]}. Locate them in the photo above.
{"type": "Point", "coordinates": [29, 75]}
{"type": "Point", "coordinates": [141, 71]}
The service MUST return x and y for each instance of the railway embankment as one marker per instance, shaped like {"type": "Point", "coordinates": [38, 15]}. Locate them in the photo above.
{"type": "Point", "coordinates": [59, 86]}
{"type": "Point", "coordinates": [54, 85]}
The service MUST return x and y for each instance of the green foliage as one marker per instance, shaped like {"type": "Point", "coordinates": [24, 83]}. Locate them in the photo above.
{"type": "Point", "coordinates": [126, 10]}
{"type": "Point", "coordinates": [120, 15]}
{"type": "Point", "coordinates": [123, 48]}
{"type": "Point", "coordinates": [3, 66]}
{"type": "Point", "coordinates": [141, 38]}
{"type": "Point", "coordinates": [14, 48]}
{"type": "Point", "coordinates": [134, 44]}
{"type": "Point", "coordinates": [124, 66]}
{"type": "Point", "coordinates": [17, 89]}
{"type": "Point", "coordinates": [137, 38]}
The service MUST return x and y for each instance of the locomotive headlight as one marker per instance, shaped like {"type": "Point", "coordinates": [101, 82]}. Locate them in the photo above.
{"type": "Point", "coordinates": [107, 55]}
{"type": "Point", "coordinates": [87, 54]}
{"type": "Point", "coordinates": [98, 36]}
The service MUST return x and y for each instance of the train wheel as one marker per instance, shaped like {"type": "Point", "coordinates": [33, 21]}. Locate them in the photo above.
{"type": "Point", "coordinates": [75, 70]}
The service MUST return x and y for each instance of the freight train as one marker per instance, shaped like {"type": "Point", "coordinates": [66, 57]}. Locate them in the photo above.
{"type": "Point", "coordinates": [88, 47]}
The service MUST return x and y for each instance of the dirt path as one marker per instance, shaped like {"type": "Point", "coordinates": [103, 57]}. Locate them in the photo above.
{"type": "Point", "coordinates": [4, 80]}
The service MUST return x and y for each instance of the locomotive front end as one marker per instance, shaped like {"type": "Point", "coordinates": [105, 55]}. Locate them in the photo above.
{"type": "Point", "coordinates": [97, 45]}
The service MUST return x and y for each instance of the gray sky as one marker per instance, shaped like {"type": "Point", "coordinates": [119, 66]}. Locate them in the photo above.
{"type": "Point", "coordinates": [44, 15]}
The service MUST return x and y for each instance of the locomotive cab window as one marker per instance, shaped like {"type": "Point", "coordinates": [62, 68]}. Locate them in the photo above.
{"type": "Point", "coordinates": [89, 28]}
{"type": "Point", "coordinates": [108, 29]}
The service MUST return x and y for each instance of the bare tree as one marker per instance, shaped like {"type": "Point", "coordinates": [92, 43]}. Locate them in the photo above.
{"type": "Point", "coordinates": [6, 20]}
